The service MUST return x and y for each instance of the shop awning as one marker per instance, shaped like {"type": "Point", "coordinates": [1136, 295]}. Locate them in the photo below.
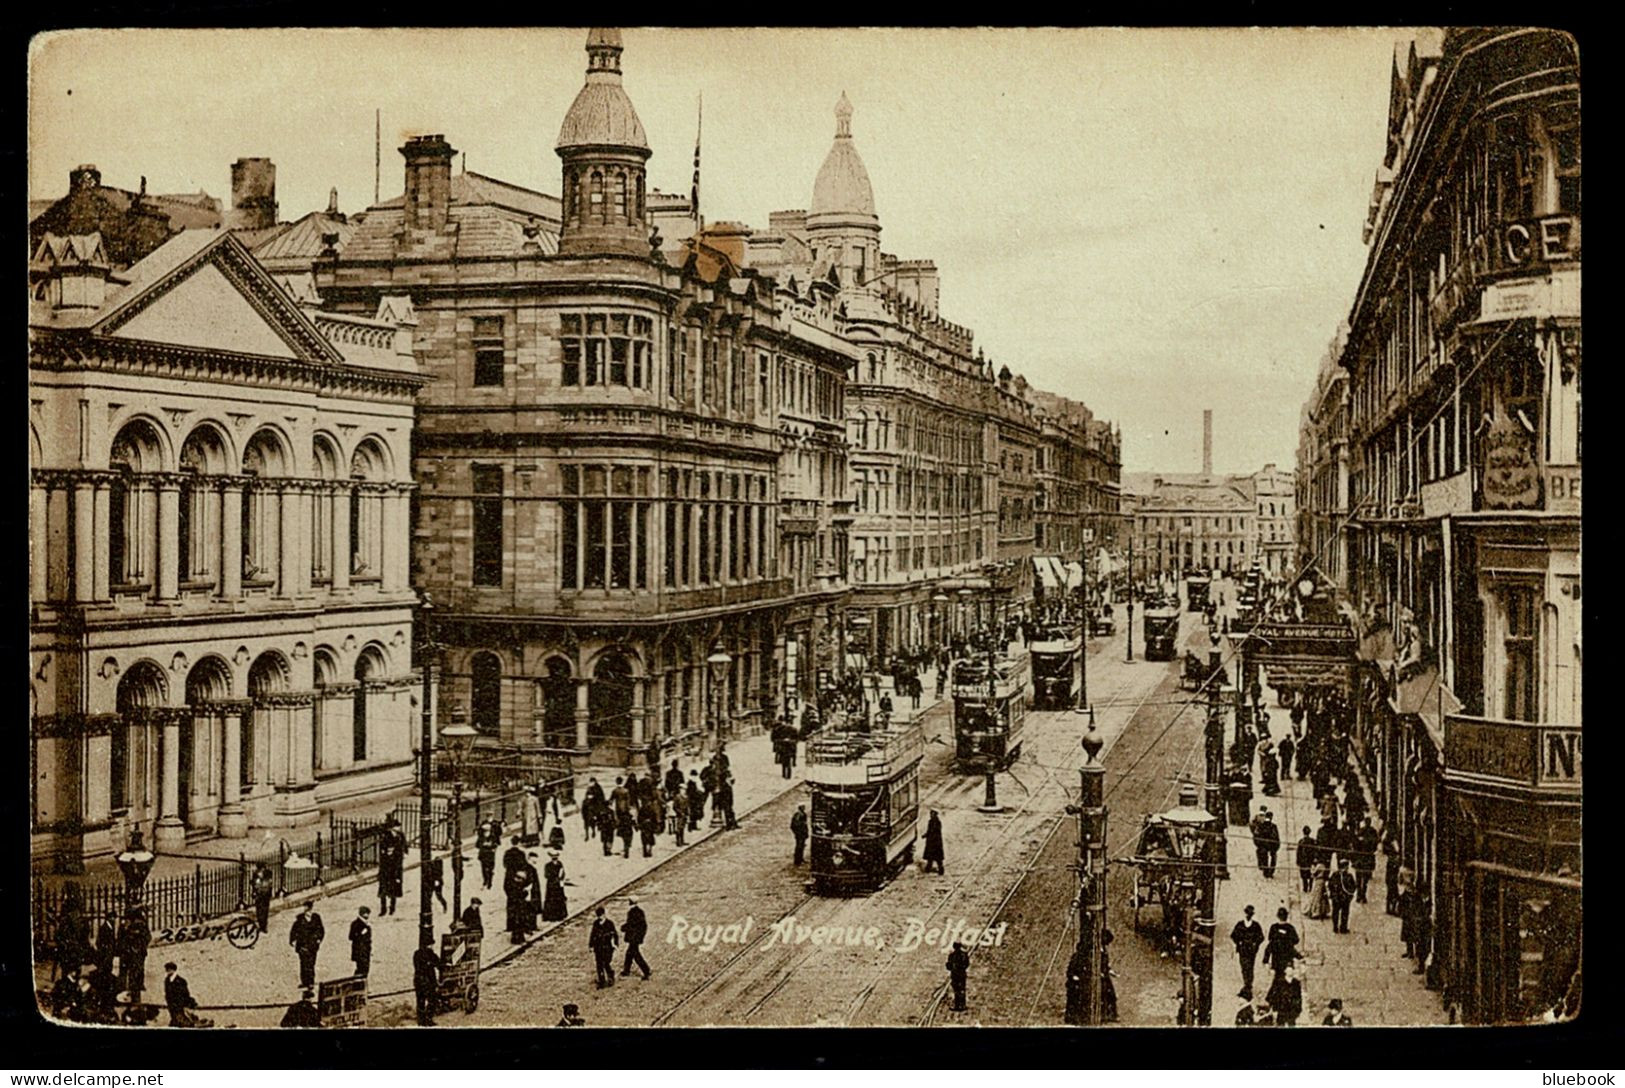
{"type": "Point", "coordinates": [1074, 575]}
{"type": "Point", "coordinates": [1044, 568]}
{"type": "Point", "coordinates": [1426, 696]}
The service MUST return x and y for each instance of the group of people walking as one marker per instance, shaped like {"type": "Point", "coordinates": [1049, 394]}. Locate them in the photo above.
{"type": "Point", "coordinates": [94, 969]}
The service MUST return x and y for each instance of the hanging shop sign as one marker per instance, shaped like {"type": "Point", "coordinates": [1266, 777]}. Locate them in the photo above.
{"type": "Point", "coordinates": [1511, 474]}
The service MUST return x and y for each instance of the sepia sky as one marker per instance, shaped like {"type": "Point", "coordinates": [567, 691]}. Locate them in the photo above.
{"type": "Point", "coordinates": [1153, 222]}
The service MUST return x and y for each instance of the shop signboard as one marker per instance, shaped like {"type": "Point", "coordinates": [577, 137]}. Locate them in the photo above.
{"type": "Point", "coordinates": [1527, 754]}
{"type": "Point", "coordinates": [342, 1002]}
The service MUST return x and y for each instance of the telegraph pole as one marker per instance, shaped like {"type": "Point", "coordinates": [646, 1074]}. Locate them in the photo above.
{"type": "Point", "coordinates": [1130, 597]}
{"type": "Point", "coordinates": [1083, 650]}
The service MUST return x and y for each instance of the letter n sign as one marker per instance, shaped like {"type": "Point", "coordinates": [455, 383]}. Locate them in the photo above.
{"type": "Point", "coordinates": [1560, 753]}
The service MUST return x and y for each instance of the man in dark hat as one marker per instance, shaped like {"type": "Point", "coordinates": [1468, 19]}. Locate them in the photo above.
{"type": "Point", "coordinates": [361, 942]}
{"type": "Point", "coordinates": [1247, 935]}
{"type": "Point", "coordinates": [798, 828]}
{"type": "Point", "coordinates": [425, 981]}
{"type": "Point", "coordinates": [958, 971]}
{"type": "Point", "coordinates": [1281, 944]}
{"type": "Point", "coordinates": [572, 1018]}
{"type": "Point", "coordinates": [1342, 886]}
{"type": "Point", "coordinates": [391, 865]}
{"type": "Point", "coordinates": [635, 929]}
{"type": "Point", "coordinates": [486, 841]}
{"type": "Point", "coordinates": [471, 919]}
{"type": "Point", "coordinates": [1335, 1016]}
{"type": "Point", "coordinates": [933, 843]}
{"type": "Point", "coordinates": [602, 939]}
{"type": "Point", "coordinates": [306, 938]}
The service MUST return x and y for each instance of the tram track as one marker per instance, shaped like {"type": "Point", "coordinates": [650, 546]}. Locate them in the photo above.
{"type": "Point", "coordinates": [773, 976]}
{"type": "Point", "coordinates": [934, 1006]}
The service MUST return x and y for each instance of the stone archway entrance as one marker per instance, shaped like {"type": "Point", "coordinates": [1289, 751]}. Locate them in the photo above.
{"type": "Point", "coordinates": [609, 708]}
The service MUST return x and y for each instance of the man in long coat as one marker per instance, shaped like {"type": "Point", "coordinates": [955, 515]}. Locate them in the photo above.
{"type": "Point", "coordinates": [134, 939]}
{"type": "Point", "coordinates": [635, 929]}
{"type": "Point", "coordinates": [260, 887]}
{"type": "Point", "coordinates": [696, 800]}
{"type": "Point", "coordinates": [679, 812]}
{"type": "Point", "coordinates": [958, 971]}
{"type": "Point", "coordinates": [1365, 857]}
{"type": "Point", "coordinates": [361, 942]}
{"type": "Point", "coordinates": [391, 865]}
{"type": "Point", "coordinates": [306, 938]}
{"type": "Point", "coordinates": [933, 843]}
{"type": "Point", "coordinates": [592, 806]}
{"type": "Point", "coordinates": [426, 982]}
{"type": "Point", "coordinates": [798, 828]}
{"type": "Point", "coordinates": [486, 842]}
{"type": "Point", "coordinates": [1342, 886]}
{"type": "Point", "coordinates": [1281, 944]}
{"type": "Point", "coordinates": [517, 886]}
{"type": "Point", "coordinates": [1247, 935]}
{"type": "Point", "coordinates": [1266, 842]}
{"type": "Point", "coordinates": [602, 939]}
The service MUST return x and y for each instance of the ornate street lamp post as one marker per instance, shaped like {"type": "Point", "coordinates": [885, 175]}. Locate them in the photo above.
{"type": "Point", "coordinates": [135, 863]}
{"type": "Point", "coordinates": [1084, 1006]}
{"type": "Point", "coordinates": [458, 737]}
{"type": "Point", "coordinates": [427, 647]}
{"type": "Point", "coordinates": [719, 660]}
{"type": "Point", "coordinates": [1193, 828]}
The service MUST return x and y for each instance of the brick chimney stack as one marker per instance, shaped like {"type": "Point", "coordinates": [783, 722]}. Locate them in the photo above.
{"type": "Point", "coordinates": [428, 181]}
{"type": "Point", "coordinates": [1207, 441]}
{"type": "Point", "coordinates": [253, 194]}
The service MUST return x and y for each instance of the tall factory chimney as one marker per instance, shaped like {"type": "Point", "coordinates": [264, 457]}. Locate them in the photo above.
{"type": "Point", "coordinates": [1207, 441]}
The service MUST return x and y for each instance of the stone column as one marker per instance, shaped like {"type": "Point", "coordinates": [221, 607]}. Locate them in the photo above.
{"type": "Point", "coordinates": [103, 556]}
{"type": "Point", "coordinates": [288, 523]}
{"type": "Point", "coordinates": [84, 541]}
{"type": "Point", "coordinates": [38, 558]}
{"type": "Point", "coordinates": [231, 541]}
{"type": "Point", "coordinates": [638, 752]}
{"type": "Point", "coordinates": [233, 819]}
{"type": "Point", "coordinates": [171, 833]}
{"type": "Point", "coordinates": [583, 714]}
{"type": "Point", "coordinates": [169, 542]}
{"type": "Point", "coordinates": [341, 538]}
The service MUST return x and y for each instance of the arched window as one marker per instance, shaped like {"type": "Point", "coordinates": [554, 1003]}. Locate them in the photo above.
{"type": "Point", "coordinates": [132, 521]}
{"type": "Point", "coordinates": [367, 510]}
{"type": "Point", "coordinates": [485, 693]}
{"type": "Point", "coordinates": [558, 693]}
{"type": "Point", "coordinates": [325, 459]}
{"type": "Point", "coordinates": [199, 522]}
{"type": "Point", "coordinates": [569, 196]}
{"type": "Point", "coordinates": [261, 506]}
{"type": "Point", "coordinates": [610, 698]}
{"type": "Point", "coordinates": [369, 665]}
{"type": "Point", "coordinates": [595, 198]}
{"type": "Point", "coordinates": [621, 201]}
{"type": "Point", "coordinates": [140, 691]}
{"type": "Point", "coordinates": [268, 675]}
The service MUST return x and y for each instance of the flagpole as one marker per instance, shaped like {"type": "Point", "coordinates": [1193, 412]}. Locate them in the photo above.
{"type": "Point", "coordinates": [694, 195]}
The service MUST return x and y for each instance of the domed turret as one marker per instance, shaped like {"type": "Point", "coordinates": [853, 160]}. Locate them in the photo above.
{"type": "Point", "coordinates": [841, 222]}
{"type": "Point", "coordinates": [843, 185]}
{"type": "Point", "coordinates": [604, 151]}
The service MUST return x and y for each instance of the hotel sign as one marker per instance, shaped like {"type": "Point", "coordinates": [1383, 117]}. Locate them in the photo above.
{"type": "Point", "coordinates": [1526, 754]}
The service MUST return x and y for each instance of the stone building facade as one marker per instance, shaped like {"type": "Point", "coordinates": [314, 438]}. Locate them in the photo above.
{"type": "Point", "coordinates": [1463, 364]}
{"type": "Point", "coordinates": [221, 620]}
{"type": "Point", "coordinates": [630, 458]}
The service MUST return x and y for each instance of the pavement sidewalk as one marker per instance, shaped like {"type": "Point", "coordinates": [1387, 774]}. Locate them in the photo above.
{"type": "Point", "coordinates": [1366, 966]}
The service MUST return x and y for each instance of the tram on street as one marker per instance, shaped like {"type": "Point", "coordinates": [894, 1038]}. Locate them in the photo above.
{"type": "Point", "coordinates": [1057, 658]}
{"type": "Point", "coordinates": [1196, 592]}
{"type": "Point", "coordinates": [1161, 633]}
{"type": "Point", "coordinates": [865, 805]}
{"type": "Point", "coordinates": [990, 694]}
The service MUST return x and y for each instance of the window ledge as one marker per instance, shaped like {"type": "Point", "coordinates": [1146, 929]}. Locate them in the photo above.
{"type": "Point", "coordinates": [365, 579]}
{"type": "Point", "coordinates": [197, 583]}
{"type": "Point", "coordinates": [131, 589]}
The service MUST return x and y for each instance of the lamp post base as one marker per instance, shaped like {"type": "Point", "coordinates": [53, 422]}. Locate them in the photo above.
{"type": "Point", "coordinates": [990, 803]}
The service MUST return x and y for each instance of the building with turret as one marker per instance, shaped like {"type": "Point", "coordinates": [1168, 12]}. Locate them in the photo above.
{"type": "Point", "coordinates": [631, 456]}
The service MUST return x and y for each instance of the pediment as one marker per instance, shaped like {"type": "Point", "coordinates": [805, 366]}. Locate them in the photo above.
{"type": "Point", "coordinates": [220, 299]}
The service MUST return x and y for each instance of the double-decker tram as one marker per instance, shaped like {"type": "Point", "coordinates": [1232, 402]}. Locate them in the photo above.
{"type": "Point", "coordinates": [1057, 659]}
{"type": "Point", "coordinates": [865, 805]}
{"type": "Point", "coordinates": [1196, 591]}
{"type": "Point", "coordinates": [1161, 632]}
{"type": "Point", "coordinates": [990, 710]}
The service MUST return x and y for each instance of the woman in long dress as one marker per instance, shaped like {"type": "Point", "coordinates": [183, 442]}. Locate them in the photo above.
{"type": "Point", "coordinates": [554, 908]}
{"type": "Point", "coordinates": [530, 818]}
{"type": "Point", "coordinates": [1320, 904]}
